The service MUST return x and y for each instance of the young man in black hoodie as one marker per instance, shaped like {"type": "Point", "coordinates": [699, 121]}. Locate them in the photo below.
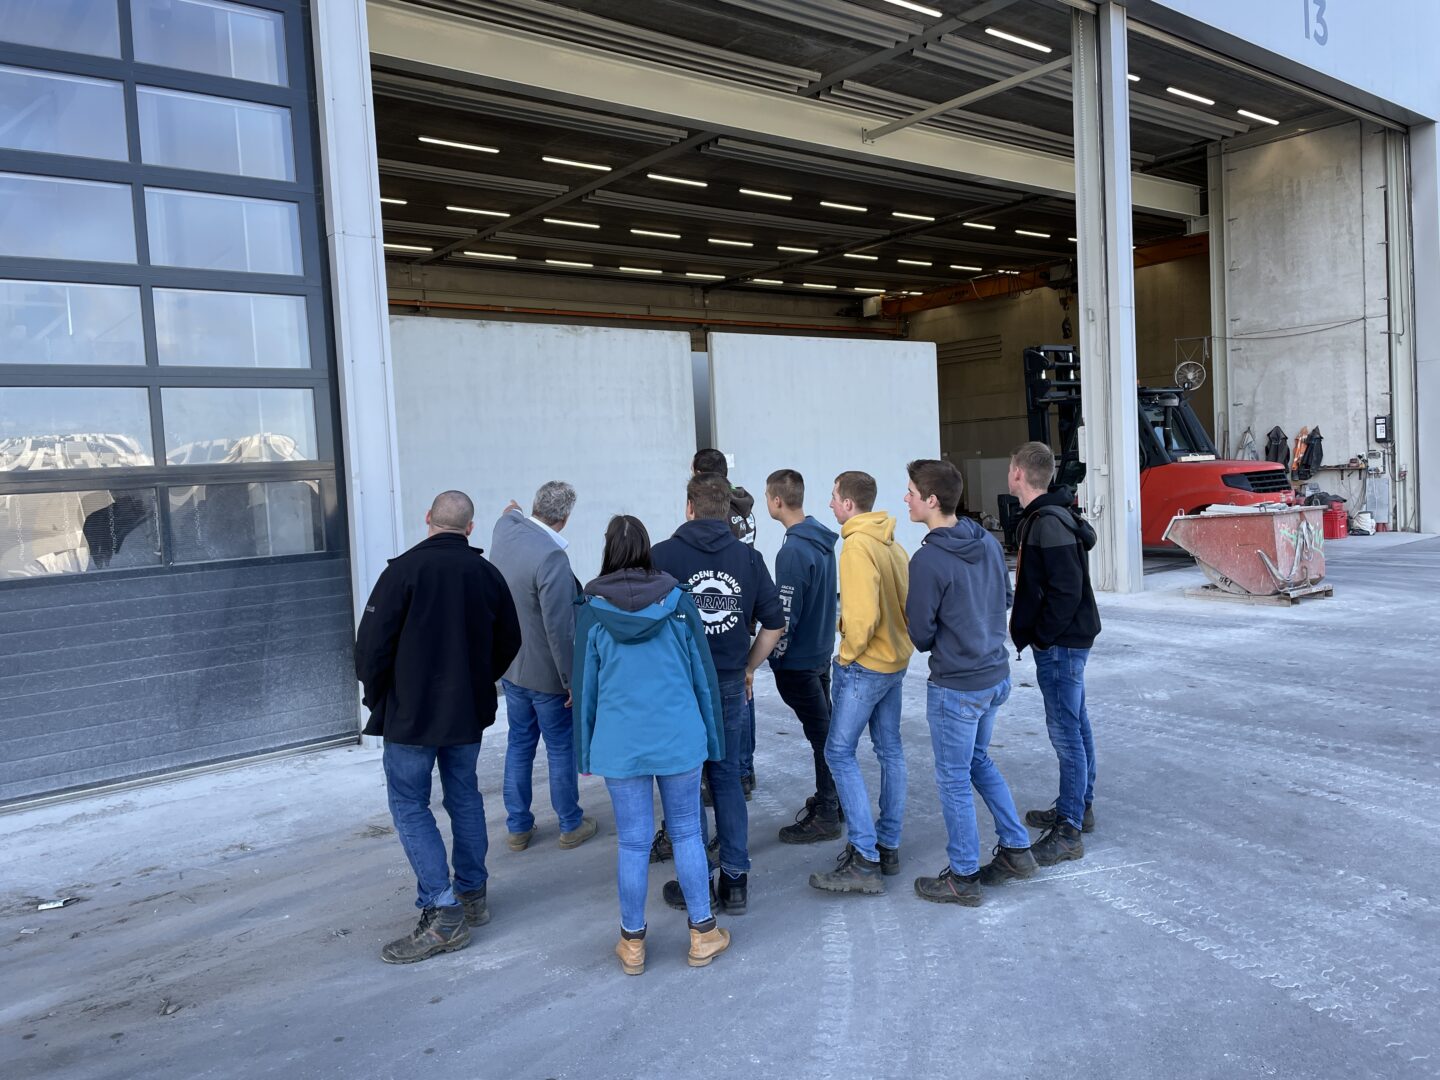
{"type": "Point", "coordinates": [959, 590]}
{"type": "Point", "coordinates": [805, 571]}
{"type": "Point", "coordinates": [1055, 614]}
{"type": "Point", "coordinates": [732, 589]}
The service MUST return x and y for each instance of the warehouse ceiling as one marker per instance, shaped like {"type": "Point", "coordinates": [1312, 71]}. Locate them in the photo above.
{"type": "Point", "coordinates": [463, 171]}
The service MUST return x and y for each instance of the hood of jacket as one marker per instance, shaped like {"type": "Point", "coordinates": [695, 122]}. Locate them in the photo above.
{"type": "Point", "coordinates": [876, 524]}
{"type": "Point", "coordinates": [708, 534]}
{"type": "Point", "coordinates": [812, 532]}
{"type": "Point", "coordinates": [624, 594]}
{"type": "Point", "coordinates": [965, 539]}
{"type": "Point", "coordinates": [1064, 498]}
{"type": "Point", "coordinates": [741, 500]}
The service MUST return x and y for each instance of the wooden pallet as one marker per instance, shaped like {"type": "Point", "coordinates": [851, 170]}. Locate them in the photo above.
{"type": "Point", "coordinates": [1289, 598]}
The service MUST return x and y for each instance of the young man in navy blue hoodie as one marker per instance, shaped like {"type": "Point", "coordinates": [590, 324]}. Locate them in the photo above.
{"type": "Point", "coordinates": [959, 593]}
{"type": "Point", "coordinates": [732, 589]}
{"type": "Point", "coordinates": [806, 574]}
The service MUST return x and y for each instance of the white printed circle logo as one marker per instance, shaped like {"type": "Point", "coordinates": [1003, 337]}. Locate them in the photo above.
{"type": "Point", "coordinates": [717, 597]}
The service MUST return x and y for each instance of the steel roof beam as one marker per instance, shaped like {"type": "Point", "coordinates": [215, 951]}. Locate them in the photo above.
{"type": "Point", "coordinates": [1018, 79]}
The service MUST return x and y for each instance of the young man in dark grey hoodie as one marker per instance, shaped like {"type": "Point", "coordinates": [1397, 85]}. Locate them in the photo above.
{"type": "Point", "coordinates": [956, 610]}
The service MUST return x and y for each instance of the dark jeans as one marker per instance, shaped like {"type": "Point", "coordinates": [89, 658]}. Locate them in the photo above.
{"type": "Point", "coordinates": [407, 781]}
{"type": "Point", "coordinates": [1060, 672]}
{"type": "Point", "coordinates": [807, 693]}
{"type": "Point", "coordinates": [732, 819]}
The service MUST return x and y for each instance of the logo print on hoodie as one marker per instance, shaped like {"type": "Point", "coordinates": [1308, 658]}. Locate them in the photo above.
{"type": "Point", "coordinates": [717, 597]}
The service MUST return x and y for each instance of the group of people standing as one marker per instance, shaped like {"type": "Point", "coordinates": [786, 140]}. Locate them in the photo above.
{"type": "Point", "coordinates": [644, 676]}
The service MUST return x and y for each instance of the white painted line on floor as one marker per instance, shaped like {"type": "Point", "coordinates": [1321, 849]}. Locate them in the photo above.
{"type": "Point", "coordinates": [1082, 873]}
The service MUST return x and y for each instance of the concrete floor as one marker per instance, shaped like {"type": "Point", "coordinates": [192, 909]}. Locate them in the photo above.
{"type": "Point", "coordinates": [1261, 896]}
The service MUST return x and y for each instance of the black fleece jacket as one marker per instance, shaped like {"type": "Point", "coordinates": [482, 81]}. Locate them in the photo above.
{"type": "Point", "coordinates": [1054, 603]}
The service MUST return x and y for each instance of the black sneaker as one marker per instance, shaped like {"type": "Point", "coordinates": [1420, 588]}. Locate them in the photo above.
{"type": "Point", "coordinates": [1008, 863]}
{"type": "Point", "coordinates": [1045, 819]}
{"type": "Point", "coordinates": [811, 826]}
{"type": "Point", "coordinates": [660, 849]}
{"type": "Point", "coordinates": [889, 860]}
{"type": "Point", "coordinates": [732, 893]}
{"type": "Point", "coordinates": [853, 873]}
{"type": "Point", "coordinates": [477, 912]}
{"type": "Point", "coordinates": [439, 930]}
{"type": "Point", "coordinates": [1060, 844]}
{"type": "Point", "coordinates": [675, 896]}
{"type": "Point", "coordinates": [950, 888]}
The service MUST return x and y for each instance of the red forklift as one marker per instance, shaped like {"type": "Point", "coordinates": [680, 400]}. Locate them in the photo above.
{"type": "Point", "coordinates": [1180, 469]}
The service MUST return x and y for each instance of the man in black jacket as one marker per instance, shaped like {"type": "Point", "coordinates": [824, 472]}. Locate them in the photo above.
{"type": "Point", "coordinates": [438, 630]}
{"type": "Point", "coordinates": [1055, 614]}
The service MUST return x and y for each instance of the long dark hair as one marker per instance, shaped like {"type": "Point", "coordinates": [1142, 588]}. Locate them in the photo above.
{"type": "Point", "coordinates": [627, 546]}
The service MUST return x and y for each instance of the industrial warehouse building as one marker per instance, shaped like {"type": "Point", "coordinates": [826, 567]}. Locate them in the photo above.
{"type": "Point", "coordinates": [272, 273]}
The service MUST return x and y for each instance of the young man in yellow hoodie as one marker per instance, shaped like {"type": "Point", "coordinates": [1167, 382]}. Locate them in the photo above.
{"type": "Point", "coordinates": [875, 650]}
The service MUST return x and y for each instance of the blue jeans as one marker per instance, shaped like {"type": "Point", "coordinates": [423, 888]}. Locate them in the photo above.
{"type": "Point", "coordinates": [865, 698]}
{"type": "Point", "coordinates": [635, 824]}
{"type": "Point", "coordinates": [1060, 673]}
{"type": "Point", "coordinates": [532, 714]}
{"type": "Point", "coordinates": [961, 722]}
{"type": "Point", "coordinates": [407, 784]}
{"type": "Point", "coordinates": [732, 818]}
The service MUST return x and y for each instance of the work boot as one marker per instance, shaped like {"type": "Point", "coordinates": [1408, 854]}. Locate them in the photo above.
{"type": "Point", "coordinates": [1060, 844]}
{"type": "Point", "coordinates": [675, 896]}
{"type": "Point", "coordinates": [889, 860]}
{"type": "Point", "coordinates": [1009, 862]}
{"type": "Point", "coordinates": [477, 910]}
{"type": "Point", "coordinates": [814, 801]}
{"type": "Point", "coordinates": [747, 785]}
{"type": "Point", "coordinates": [705, 797]}
{"type": "Point", "coordinates": [578, 835]}
{"type": "Point", "coordinates": [950, 888]}
{"type": "Point", "coordinates": [660, 849]}
{"type": "Point", "coordinates": [439, 930]}
{"type": "Point", "coordinates": [811, 826]}
{"type": "Point", "coordinates": [712, 851]}
{"type": "Point", "coordinates": [519, 841]}
{"type": "Point", "coordinates": [1044, 819]}
{"type": "Point", "coordinates": [853, 873]}
{"type": "Point", "coordinates": [732, 893]}
{"type": "Point", "coordinates": [707, 941]}
{"type": "Point", "coordinates": [631, 951]}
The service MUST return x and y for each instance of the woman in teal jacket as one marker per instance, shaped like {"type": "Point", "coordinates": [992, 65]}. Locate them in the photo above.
{"type": "Point", "coordinates": [647, 713]}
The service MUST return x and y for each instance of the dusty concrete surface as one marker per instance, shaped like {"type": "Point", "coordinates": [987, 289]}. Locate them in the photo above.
{"type": "Point", "coordinates": [1261, 897]}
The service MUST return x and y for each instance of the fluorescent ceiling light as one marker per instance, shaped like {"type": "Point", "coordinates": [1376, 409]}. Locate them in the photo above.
{"type": "Point", "coordinates": [489, 255]}
{"type": "Point", "coordinates": [798, 250]}
{"type": "Point", "coordinates": [707, 277]}
{"type": "Point", "coordinates": [1245, 113]}
{"type": "Point", "coordinates": [652, 232]}
{"type": "Point", "coordinates": [473, 210]}
{"type": "Point", "coordinates": [1188, 96]}
{"type": "Point", "coordinates": [857, 255]}
{"type": "Point", "coordinates": [978, 225]}
{"type": "Point", "coordinates": [911, 217]}
{"type": "Point", "coordinates": [406, 247]}
{"type": "Point", "coordinates": [676, 180]}
{"type": "Point", "coordinates": [969, 269]}
{"type": "Point", "coordinates": [639, 270]}
{"type": "Point", "coordinates": [764, 194]}
{"type": "Point", "coordinates": [1031, 232]}
{"type": "Point", "coordinates": [1003, 36]}
{"type": "Point", "coordinates": [862, 288]}
{"type": "Point", "coordinates": [576, 164]}
{"type": "Point", "coordinates": [1133, 78]}
{"type": "Point", "coordinates": [459, 145]}
{"type": "Point", "coordinates": [766, 281]}
{"type": "Point", "coordinates": [845, 206]}
{"type": "Point", "coordinates": [908, 6]}
{"type": "Point", "coordinates": [1073, 239]}
{"type": "Point", "coordinates": [914, 262]}
{"type": "Point", "coordinates": [914, 293]}
{"type": "Point", "coordinates": [393, 202]}
{"type": "Point", "coordinates": [816, 285]}
{"type": "Point", "coordinates": [728, 243]}
{"type": "Point", "coordinates": [567, 262]}
{"type": "Point", "coordinates": [572, 224]}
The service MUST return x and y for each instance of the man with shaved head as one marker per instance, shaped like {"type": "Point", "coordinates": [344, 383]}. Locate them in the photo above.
{"type": "Point", "coordinates": [437, 632]}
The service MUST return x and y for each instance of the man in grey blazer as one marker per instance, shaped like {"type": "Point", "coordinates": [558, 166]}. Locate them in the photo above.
{"type": "Point", "coordinates": [530, 553]}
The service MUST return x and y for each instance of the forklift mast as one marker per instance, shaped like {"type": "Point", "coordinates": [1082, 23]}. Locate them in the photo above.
{"type": "Point", "coordinates": [1052, 381]}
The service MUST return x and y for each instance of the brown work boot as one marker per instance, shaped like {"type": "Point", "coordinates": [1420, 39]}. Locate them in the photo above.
{"type": "Point", "coordinates": [578, 835]}
{"type": "Point", "coordinates": [707, 941]}
{"type": "Point", "coordinates": [439, 930]}
{"type": "Point", "coordinates": [477, 910]}
{"type": "Point", "coordinates": [519, 841]}
{"type": "Point", "coordinates": [853, 873]}
{"type": "Point", "coordinates": [1061, 843]}
{"type": "Point", "coordinates": [1008, 863]}
{"type": "Point", "coordinates": [1045, 819]}
{"type": "Point", "coordinates": [631, 951]}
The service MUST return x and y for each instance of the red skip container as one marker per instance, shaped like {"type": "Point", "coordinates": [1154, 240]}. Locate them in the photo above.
{"type": "Point", "coordinates": [1337, 522]}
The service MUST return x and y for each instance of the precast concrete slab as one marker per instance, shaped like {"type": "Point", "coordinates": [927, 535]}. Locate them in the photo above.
{"type": "Point", "coordinates": [1261, 895]}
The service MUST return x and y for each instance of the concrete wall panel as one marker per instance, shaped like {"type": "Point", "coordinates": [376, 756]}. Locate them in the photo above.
{"type": "Point", "coordinates": [823, 406]}
{"type": "Point", "coordinates": [496, 409]}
